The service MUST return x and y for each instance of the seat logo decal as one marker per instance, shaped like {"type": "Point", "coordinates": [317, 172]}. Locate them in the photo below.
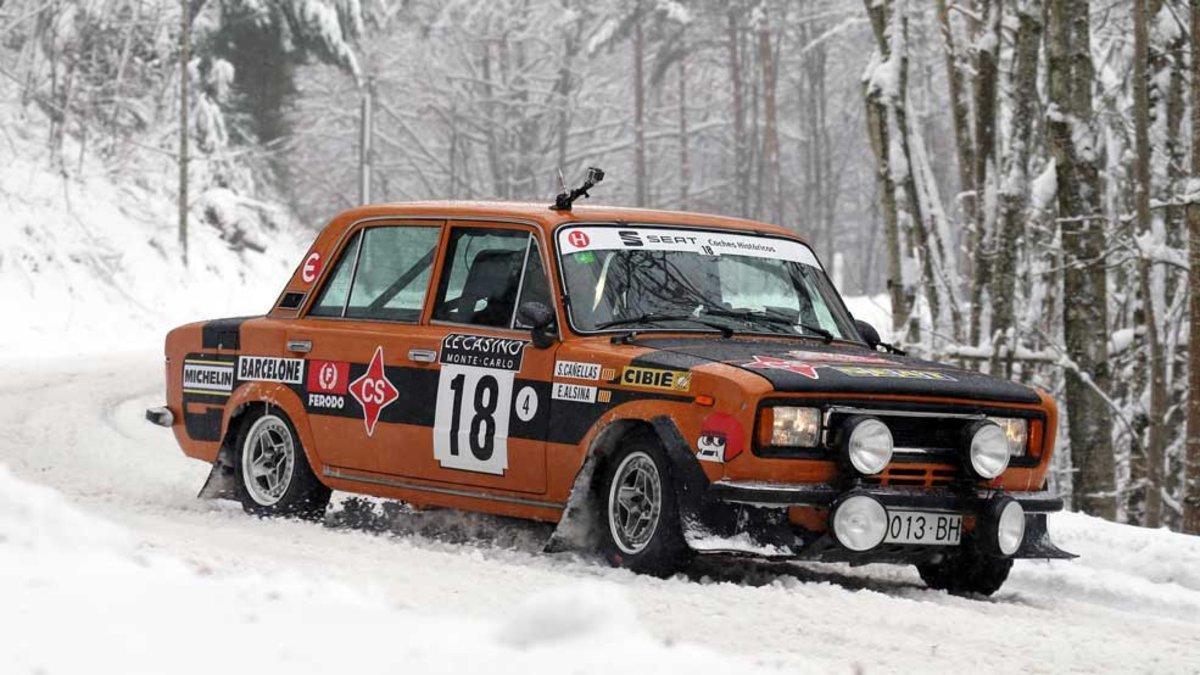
{"type": "Point", "coordinates": [374, 391]}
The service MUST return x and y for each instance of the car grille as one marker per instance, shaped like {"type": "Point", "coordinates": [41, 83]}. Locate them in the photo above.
{"type": "Point", "coordinates": [927, 444]}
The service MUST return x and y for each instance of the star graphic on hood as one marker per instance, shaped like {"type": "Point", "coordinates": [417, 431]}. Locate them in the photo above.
{"type": "Point", "coordinates": [774, 363]}
{"type": "Point", "coordinates": [374, 391]}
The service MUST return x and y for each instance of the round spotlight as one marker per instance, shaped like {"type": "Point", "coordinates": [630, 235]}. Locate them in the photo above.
{"type": "Point", "coordinates": [868, 445]}
{"type": "Point", "coordinates": [1002, 526]}
{"type": "Point", "coordinates": [859, 522]}
{"type": "Point", "coordinates": [988, 451]}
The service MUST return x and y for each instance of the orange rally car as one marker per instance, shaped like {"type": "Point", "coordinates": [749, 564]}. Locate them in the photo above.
{"type": "Point", "coordinates": [659, 384]}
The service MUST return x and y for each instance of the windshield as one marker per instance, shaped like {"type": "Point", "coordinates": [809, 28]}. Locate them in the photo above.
{"type": "Point", "coordinates": [681, 279]}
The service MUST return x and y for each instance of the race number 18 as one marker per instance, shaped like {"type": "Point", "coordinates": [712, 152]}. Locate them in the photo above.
{"type": "Point", "coordinates": [470, 430]}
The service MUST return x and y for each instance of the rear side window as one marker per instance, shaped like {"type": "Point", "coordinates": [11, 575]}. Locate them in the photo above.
{"type": "Point", "coordinates": [332, 301]}
{"type": "Point", "coordinates": [383, 274]}
{"type": "Point", "coordinates": [393, 273]}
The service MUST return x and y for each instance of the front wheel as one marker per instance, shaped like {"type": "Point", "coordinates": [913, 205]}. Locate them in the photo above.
{"type": "Point", "coordinates": [641, 519]}
{"type": "Point", "coordinates": [966, 571]}
{"type": "Point", "coordinates": [273, 475]}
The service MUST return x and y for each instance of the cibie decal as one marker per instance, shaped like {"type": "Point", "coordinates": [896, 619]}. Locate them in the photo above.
{"type": "Point", "coordinates": [901, 373]}
{"type": "Point", "coordinates": [475, 402]}
{"type": "Point", "coordinates": [576, 393]}
{"type": "Point", "coordinates": [270, 369]}
{"type": "Point", "coordinates": [207, 377]}
{"type": "Point", "coordinates": [374, 391]}
{"type": "Point", "coordinates": [577, 370]}
{"type": "Point", "coordinates": [328, 377]}
{"type": "Point", "coordinates": [656, 378]}
{"type": "Point", "coordinates": [311, 268]}
{"type": "Point", "coordinates": [775, 363]}
{"type": "Point", "coordinates": [721, 438]}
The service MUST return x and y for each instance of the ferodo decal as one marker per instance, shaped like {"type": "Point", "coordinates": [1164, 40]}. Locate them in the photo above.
{"type": "Point", "coordinates": [721, 438]}
{"type": "Point", "coordinates": [311, 268]}
{"type": "Point", "coordinates": [327, 384]}
{"type": "Point", "coordinates": [207, 377]}
{"type": "Point", "coordinates": [902, 373]}
{"type": "Point", "coordinates": [577, 370]}
{"type": "Point", "coordinates": [576, 393]}
{"type": "Point", "coordinates": [374, 391]}
{"type": "Point", "coordinates": [270, 369]}
{"type": "Point", "coordinates": [656, 378]}
{"type": "Point", "coordinates": [475, 401]}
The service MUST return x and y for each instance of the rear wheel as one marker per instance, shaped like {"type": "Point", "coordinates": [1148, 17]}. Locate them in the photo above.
{"type": "Point", "coordinates": [965, 571]}
{"type": "Point", "coordinates": [273, 475]}
{"type": "Point", "coordinates": [641, 528]}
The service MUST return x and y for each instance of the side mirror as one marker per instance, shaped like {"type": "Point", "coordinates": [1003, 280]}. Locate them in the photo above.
{"type": "Point", "coordinates": [868, 333]}
{"type": "Point", "coordinates": [541, 318]}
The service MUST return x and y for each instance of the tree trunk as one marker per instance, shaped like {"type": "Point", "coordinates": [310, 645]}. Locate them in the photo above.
{"type": "Point", "coordinates": [770, 155]}
{"type": "Point", "coordinates": [1158, 386]}
{"type": "Point", "coordinates": [1191, 503]}
{"type": "Point", "coordinates": [879, 135]}
{"type": "Point", "coordinates": [639, 108]}
{"type": "Point", "coordinates": [1015, 185]}
{"type": "Point", "coordinates": [1085, 322]}
{"type": "Point", "coordinates": [685, 160]}
{"type": "Point", "coordinates": [185, 56]}
{"type": "Point", "coordinates": [986, 67]}
{"type": "Point", "coordinates": [960, 112]}
{"type": "Point", "coordinates": [741, 161]}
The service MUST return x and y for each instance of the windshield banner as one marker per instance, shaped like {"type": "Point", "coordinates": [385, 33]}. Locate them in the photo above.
{"type": "Point", "coordinates": [579, 239]}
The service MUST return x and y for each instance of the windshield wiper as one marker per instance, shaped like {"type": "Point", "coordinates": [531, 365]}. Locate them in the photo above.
{"type": "Point", "coordinates": [772, 319]}
{"type": "Point", "coordinates": [658, 317]}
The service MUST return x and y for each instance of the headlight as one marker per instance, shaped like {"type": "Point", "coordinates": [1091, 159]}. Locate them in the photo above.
{"type": "Point", "coordinates": [988, 450]}
{"type": "Point", "coordinates": [791, 427]}
{"type": "Point", "coordinates": [1002, 526]}
{"type": "Point", "coordinates": [1016, 430]}
{"type": "Point", "coordinates": [868, 445]}
{"type": "Point", "coordinates": [859, 522]}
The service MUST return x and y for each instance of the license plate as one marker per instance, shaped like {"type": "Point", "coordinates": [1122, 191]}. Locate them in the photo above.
{"type": "Point", "coordinates": [923, 527]}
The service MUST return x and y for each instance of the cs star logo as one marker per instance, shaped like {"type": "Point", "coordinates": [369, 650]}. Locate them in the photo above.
{"type": "Point", "coordinates": [373, 391]}
{"type": "Point", "coordinates": [799, 367]}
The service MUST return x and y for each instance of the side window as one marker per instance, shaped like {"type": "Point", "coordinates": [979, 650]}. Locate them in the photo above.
{"type": "Point", "coordinates": [332, 300]}
{"type": "Point", "coordinates": [393, 273]}
{"type": "Point", "coordinates": [481, 276]}
{"type": "Point", "coordinates": [534, 286]}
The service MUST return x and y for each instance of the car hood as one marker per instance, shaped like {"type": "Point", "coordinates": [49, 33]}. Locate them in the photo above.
{"type": "Point", "coordinates": [811, 366]}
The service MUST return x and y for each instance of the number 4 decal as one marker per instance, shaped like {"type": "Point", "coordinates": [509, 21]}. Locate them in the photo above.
{"type": "Point", "coordinates": [474, 400]}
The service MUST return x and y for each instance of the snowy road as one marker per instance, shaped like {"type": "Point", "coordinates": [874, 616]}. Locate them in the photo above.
{"type": "Point", "coordinates": [1131, 603]}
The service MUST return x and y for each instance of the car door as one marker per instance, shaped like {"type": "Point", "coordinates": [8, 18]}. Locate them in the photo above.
{"type": "Point", "coordinates": [491, 406]}
{"type": "Point", "coordinates": [370, 361]}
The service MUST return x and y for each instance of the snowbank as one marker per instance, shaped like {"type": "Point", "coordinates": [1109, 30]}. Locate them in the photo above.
{"type": "Point", "coordinates": [89, 255]}
{"type": "Point", "coordinates": [82, 595]}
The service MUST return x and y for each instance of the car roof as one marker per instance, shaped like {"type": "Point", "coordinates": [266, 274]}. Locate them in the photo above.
{"type": "Point", "coordinates": [540, 214]}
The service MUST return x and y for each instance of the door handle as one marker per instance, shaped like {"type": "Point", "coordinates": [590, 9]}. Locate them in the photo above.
{"type": "Point", "coordinates": [302, 346]}
{"type": "Point", "coordinates": [422, 355]}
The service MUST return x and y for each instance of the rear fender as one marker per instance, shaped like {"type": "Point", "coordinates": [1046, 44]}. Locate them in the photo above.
{"type": "Point", "coordinates": [221, 481]}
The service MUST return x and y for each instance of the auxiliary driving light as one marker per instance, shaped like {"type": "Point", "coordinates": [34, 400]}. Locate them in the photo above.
{"type": "Point", "coordinates": [988, 452]}
{"type": "Point", "coordinates": [859, 522]}
{"type": "Point", "coordinates": [1002, 526]}
{"type": "Point", "coordinates": [867, 445]}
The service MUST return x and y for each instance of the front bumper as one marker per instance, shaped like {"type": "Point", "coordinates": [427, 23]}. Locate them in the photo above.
{"type": "Point", "coordinates": [753, 518]}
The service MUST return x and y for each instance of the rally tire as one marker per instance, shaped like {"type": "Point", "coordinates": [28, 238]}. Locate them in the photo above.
{"type": "Point", "coordinates": [271, 471]}
{"type": "Point", "coordinates": [967, 571]}
{"type": "Point", "coordinates": [639, 517]}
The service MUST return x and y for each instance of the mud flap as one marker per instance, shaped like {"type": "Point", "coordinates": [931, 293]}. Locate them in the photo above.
{"type": "Point", "coordinates": [221, 483]}
{"type": "Point", "coordinates": [1037, 542]}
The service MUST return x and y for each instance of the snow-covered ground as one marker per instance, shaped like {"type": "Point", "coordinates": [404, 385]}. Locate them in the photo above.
{"type": "Point", "coordinates": [108, 563]}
